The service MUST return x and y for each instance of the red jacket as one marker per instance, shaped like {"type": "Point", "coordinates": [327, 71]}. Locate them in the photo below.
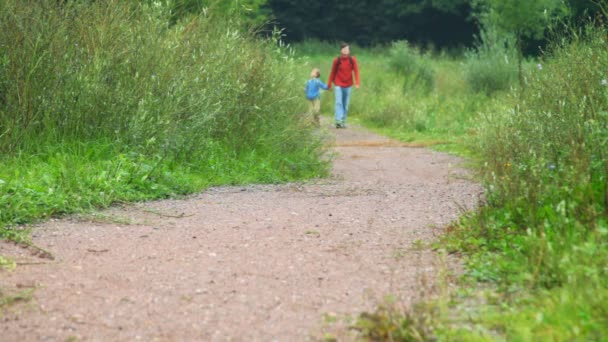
{"type": "Point", "coordinates": [343, 77]}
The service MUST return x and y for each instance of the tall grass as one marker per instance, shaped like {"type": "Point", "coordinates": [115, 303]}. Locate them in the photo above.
{"type": "Point", "coordinates": [403, 105]}
{"type": "Point", "coordinates": [107, 100]}
{"type": "Point", "coordinates": [543, 235]}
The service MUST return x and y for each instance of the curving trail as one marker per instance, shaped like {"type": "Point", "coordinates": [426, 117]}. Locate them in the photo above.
{"type": "Point", "coordinates": [255, 263]}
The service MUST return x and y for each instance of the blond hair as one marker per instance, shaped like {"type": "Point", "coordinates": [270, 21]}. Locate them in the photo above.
{"type": "Point", "coordinates": [315, 73]}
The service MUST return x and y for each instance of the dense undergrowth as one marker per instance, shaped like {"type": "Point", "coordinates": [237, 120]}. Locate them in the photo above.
{"type": "Point", "coordinates": [542, 237]}
{"type": "Point", "coordinates": [115, 101]}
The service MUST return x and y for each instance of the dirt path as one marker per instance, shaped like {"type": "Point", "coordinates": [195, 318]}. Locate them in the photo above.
{"type": "Point", "coordinates": [255, 263]}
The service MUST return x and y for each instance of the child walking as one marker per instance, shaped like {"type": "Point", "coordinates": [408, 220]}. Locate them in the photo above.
{"type": "Point", "coordinates": [313, 94]}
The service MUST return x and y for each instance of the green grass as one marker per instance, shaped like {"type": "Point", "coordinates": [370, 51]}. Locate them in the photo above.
{"type": "Point", "coordinates": [7, 299]}
{"type": "Point", "coordinates": [86, 177]}
{"type": "Point", "coordinates": [389, 101]}
{"type": "Point", "coordinates": [110, 102]}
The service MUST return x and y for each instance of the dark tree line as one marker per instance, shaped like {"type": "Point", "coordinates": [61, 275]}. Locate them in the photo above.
{"type": "Point", "coordinates": [368, 22]}
{"type": "Point", "coordinates": [442, 23]}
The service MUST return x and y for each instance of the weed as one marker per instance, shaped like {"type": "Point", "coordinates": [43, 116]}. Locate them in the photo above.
{"type": "Point", "coordinates": [389, 323]}
{"type": "Point", "coordinates": [418, 245]}
{"type": "Point", "coordinates": [8, 299]}
{"type": "Point", "coordinates": [7, 264]}
{"type": "Point", "coordinates": [399, 253]}
{"type": "Point", "coordinates": [407, 61]}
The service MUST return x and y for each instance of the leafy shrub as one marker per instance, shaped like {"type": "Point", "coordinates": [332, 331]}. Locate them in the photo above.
{"type": "Point", "coordinates": [409, 62]}
{"type": "Point", "coordinates": [543, 235]}
{"type": "Point", "coordinates": [552, 145]}
{"type": "Point", "coordinates": [492, 65]}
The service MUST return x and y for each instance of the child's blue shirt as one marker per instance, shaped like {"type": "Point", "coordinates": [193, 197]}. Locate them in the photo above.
{"type": "Point", "coordinates": [313, 88]}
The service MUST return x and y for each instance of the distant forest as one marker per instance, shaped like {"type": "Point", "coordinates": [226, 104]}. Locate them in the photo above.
{"type": "Point", "coordinates": [437, 23]}
{"type": "Point", "coordinates": [441, 23]}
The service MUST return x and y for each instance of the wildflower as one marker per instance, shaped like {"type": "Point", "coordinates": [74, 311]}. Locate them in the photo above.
{"type": "Point", "coordinates": [551, 167]}
{"type": "Point", "coordinates": [604, 82]}
{"type": "Point", "coordinates": [539, 66]}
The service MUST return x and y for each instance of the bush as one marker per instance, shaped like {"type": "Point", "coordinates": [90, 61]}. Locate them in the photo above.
{"type": "Point", "coordinates": [553, 144]}
{"type": "Point", "coordinates": [492, 65]}
{"type": "Point", "coordinates": [543, 235]}
{"type": "Point", "coordinates": [409, 62]}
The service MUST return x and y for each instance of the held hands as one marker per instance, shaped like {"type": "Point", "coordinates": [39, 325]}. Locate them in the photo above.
{"type": "Point", "coordinates": [332, 88]}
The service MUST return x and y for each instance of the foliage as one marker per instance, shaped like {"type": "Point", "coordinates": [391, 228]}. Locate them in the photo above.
{"type": "Point", "coordinates": [250, 12]}
{"type": "Point", "coordinates": [491, 66]}
{"type": "Point", "coordinates": [388, 323]}
{"type": "Point", "coordinates": [524, 18]}
{"type": "Point", "coordinates": [7, 264]}
{"type": "Point", "coordinates": [406, 106]}
{"type": "Point", "coordinates": [409, 62]}
{"type": "Point", "coordinates": [369, 23]}
{"type": "Point", "coordinates": [552, 146]}
{"type": "Point", "coordinates": [103, 102]}
{"type": "Point", "coordinates": [542, 238]}
{"type": "Point", "coordinates": [442, 23]}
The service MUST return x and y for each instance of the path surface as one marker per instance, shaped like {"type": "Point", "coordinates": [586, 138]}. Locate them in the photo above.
{"type": "Point", "coordinates": [254, 263]}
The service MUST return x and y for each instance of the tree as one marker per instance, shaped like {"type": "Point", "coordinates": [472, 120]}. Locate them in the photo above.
{"type": "Point", "coordinates": [523, 18]}
{"type": "Point", "coordinates": [252, 12]}
{"type": "Point", "coordinates": [367, 22]}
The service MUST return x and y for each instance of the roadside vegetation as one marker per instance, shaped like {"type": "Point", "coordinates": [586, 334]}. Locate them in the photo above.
{"type": "Point", "coordinates": [542, 236]}
{"type": "Point", "coordinates": [114, 101]}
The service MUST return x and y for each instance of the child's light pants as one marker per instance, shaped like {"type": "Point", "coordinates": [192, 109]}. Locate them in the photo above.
{"type": "Point", "coordinates": [314, 108]}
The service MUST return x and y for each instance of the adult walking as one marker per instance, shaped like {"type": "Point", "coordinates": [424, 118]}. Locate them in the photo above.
{"type": "Point", "coordinates": [342, 70]}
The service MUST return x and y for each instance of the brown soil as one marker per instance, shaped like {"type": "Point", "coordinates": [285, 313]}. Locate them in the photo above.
{"type": "Point", "coordinates": [256, 263]}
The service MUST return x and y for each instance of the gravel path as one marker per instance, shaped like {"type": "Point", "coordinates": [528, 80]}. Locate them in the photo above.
{"type": "Point", "coordinates": [255, 263]}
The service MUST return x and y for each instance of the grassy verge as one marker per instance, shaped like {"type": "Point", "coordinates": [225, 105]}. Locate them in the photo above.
{"type": "Point", "coordinates": [542, 238]}
{"type": "Point", "coordinates": [88, 176]}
